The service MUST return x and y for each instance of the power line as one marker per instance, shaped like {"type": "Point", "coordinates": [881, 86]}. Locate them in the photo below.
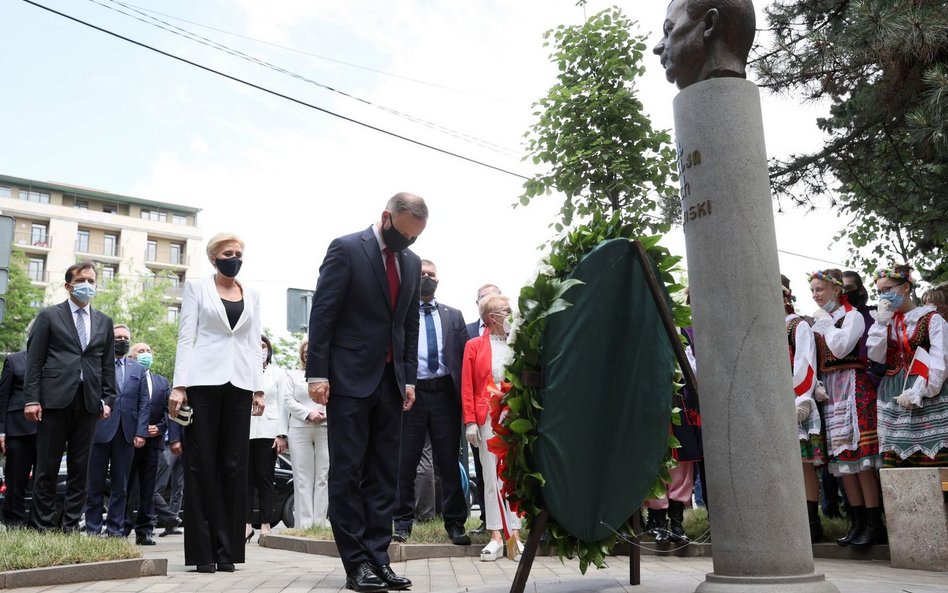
{"type": "Point", "coordinates": [317, 56]}
{"type": "Point", "coordinates": [180, 32]}
{"type": "Point", "coordinates": [277, 94]}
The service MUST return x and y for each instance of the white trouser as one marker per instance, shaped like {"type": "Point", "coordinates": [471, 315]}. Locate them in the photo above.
{"type": "Point", "coordinates": [496, 509]}
{"type": "Point", "coordinates": [309, 450]}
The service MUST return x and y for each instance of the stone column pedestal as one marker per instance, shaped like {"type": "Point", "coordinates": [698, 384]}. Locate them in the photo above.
{"type": "Point", "coordinates": [916, 516]}
{"type": "Point", "coordinates": [752, 455]}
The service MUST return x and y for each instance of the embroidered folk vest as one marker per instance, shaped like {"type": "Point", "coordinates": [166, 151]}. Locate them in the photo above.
{"type": "Point", "coordinates": [896, 357]}
{"type": "Point", "coordinates": [829, 363]}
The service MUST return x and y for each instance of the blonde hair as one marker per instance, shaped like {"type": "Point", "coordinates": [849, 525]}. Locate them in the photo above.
{"type": "Point", "coordinates": [492, 303]}
{"type": "Point", "coordinates": [303, 346]}
{"type": "Point", "coordinates": [215, 242]}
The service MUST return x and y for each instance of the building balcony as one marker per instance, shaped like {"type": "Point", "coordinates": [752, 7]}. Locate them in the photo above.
{"type": "Point", "coordinates": [166, 262]}
{"type": "Point", "coordinates": [31, 242]}
{"type": "Point", "coordinates": [40, 278]}
{"type": "Point", "coordinates": [104, 252]}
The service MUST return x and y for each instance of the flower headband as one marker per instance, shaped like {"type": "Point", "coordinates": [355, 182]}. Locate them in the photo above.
{"type": "Point", "coordinates": [895, 275]}
{"type": "Point", "coordinates": [824, 277]}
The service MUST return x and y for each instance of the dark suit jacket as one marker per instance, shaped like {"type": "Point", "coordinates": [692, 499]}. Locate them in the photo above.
{"type": "Point", "coordinates": [352, 323]}
{"type": "Point", "coordinates": [454, 337]}
{"type": "Point", "coordinates": [130, 412]}
{"type": "Point", "coordinates": [12, 421]}
{"type": "Point", "coordinates": [54, 359]}
{"type": "Point", "coordinates": [157, 409]}
{"type": "Point", "coordinates": [474, 329]}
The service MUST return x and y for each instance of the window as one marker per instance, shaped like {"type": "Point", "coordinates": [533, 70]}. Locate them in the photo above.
{"type": "Point", "coordinates": [177, 251]}
{"type": "Point", "coordinates": [176, 280]}
{"type": "Point", "coordinates": [5, 192]}
{"type": "Point", "coordinates": [173, 313]}
{"type": "Point", "coordinates": [80, 204]}
{"type": "Point", "coordinates": [179, 219]}
{"type": "Point", "coordinates": [110, 245]}
{"type": "Point", "coordinates": [35, 269]}
{"type": "Point", "coordinates": [151, 252]}
{"type": "Point", "coordinates": [38, 235]}
{"type": "Point", "coordinates": [154, 215]}
{"type": "Point", "coordinates": [108, 275]}
{"type": "Point", "coordinates": [82, 241]}
{"type": "Point", "coordinates": [109, 209]}
{"type": "Point", "coordinates": [34, 196]}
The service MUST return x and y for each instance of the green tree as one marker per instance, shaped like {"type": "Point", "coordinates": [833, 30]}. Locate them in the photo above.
{"type": "Point", "coordinates": [286, 350]}
{"type": "Point", "coordinates": [599, 147]}
{"type": "Point", "coordinates": [22, 301]}
{"type": "Point", "coordinates": [142, 305]}
{"type": "Point", "coordinates": [880, 64]}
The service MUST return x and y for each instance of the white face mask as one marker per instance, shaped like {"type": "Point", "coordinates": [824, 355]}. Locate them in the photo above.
{"type": "Point", "coordinates": [263, 354]}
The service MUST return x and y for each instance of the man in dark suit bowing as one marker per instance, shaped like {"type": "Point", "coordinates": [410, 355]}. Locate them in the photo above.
{"type": "Point", "coordinates": [70, 382]}
{"type": "Point", "coordinates": [17, 439]}
{"type": "Point", "coordinates": [144, 468]}
{"type": "Point", "coordinates": [436, 412]}
{"type": "Point", "coordinates": [361, 364]}
{"type": "Point", "coordinates": [116, 439]}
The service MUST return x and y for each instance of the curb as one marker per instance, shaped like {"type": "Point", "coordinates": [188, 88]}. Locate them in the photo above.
{"type": "Point", "coordinates": [79, 573]}
{"type": "Point", "coordinates": [399, 552]}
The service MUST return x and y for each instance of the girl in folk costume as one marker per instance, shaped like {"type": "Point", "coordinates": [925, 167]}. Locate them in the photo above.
{"type": "Point", "coordinates": [803, 366]}
{"type": "Point", "coordinates": [913, 395]}
{"type": "Point", "coordinates": [850, 410]}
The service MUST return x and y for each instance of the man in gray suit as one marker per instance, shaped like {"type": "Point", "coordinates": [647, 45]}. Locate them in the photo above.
{"type": "Point", "coordinates": [436, 412]}
{"type": "Point", "coordinates": [70, 383]}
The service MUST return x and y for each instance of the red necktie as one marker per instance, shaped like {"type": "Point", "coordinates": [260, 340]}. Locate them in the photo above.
{"type": "Point", "coordinates": [392, 272]}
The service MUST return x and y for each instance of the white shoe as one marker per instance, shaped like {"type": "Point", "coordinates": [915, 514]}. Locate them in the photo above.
{"type": "Point", "coordinates": [492, 551]}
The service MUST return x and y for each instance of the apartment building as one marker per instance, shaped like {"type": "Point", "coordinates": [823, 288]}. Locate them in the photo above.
{"type": "Point", "coordinates": [59, 224]}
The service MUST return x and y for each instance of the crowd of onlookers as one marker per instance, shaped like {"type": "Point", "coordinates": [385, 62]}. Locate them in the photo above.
{"type": "Point", "coordinates": [368, 419]}
{"type": "Point", "coordinates": [870, 390]}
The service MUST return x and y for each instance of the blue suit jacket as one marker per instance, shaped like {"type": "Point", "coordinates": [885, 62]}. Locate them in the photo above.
{"type": "Point", "coordinates": [130, 410]}
{"type": "Point", "coordinates": [157, 409]}
{"type": "Point", "coordinates": [352, 322]}
{"type": "Point", "coordinates": [454, 338]}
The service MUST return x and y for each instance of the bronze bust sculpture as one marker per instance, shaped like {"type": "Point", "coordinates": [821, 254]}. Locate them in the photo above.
{"type": "Point", "coordinates": [705, 39]}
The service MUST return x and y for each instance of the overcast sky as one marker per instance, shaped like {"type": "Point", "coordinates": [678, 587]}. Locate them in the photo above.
{"type": "Point", "coordinates": [87, 109]}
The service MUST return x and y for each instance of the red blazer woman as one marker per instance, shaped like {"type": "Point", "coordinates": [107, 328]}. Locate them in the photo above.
{"type": "Point", "coordinates": [476, 378]}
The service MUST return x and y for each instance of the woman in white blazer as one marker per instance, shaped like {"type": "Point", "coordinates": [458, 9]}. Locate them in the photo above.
{"type": "Point", "coordinates": [309, 447]}
{"type": "Point", "coordinates": [217, 373]}
{"type": "Point", "coordinates": [267, 439]}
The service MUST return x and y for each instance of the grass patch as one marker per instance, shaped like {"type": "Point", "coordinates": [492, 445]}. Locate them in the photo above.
{"type": "Point", "coordinates": [24, 548]}
{"type": "Point", "coordinates": [428, 532]}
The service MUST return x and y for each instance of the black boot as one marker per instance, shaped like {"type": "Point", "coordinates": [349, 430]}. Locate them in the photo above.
{"type": "Point", "coordinates": [857, 517]}
{"type": "Point", "coordinates": [676, 514]}
{"type": "Point", "coordinates": [658, 525]}
{"type": "Point", "coordinates": [816, 527]}
{"type": "Point", "coordinates": [873, 531]}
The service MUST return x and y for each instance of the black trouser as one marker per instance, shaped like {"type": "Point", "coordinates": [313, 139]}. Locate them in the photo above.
{"type": "Point", "coordinates": [170, 476]}
{"type": "Point", "coordinates": [436, 413]}
{"type": "Point", "coordinates": [67, 430]}
{"type": "Point", "coordinates": [21, 455]}
{"type": "Point", "coordinates": [215, 475]}
{"type": "Point", "coordinates": [260, 467]}
{"type": "Point", "coordinates": [141, 479]}
{"type": "Point", "coordinates": [364, 435]}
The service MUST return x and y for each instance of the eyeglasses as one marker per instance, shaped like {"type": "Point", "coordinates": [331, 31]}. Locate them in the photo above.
{"type": "Point", "coordinates": [503, 312]}
{"type": "Point", "coordinates": [887, 289]}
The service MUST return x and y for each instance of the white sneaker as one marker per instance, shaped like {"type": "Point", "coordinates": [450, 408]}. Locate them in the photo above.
{"type": "Point", "coordinates": [492, 551]}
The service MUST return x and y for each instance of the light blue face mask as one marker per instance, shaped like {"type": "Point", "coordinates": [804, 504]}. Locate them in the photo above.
{"type": "Point", "coordinates": [829, 306]}
{"type": "Point", "coordinates": [83, 291]}
{"type": "Point", "coordinates": [894, 299]}
{"type": "Point", "coordinates": [145, 359]}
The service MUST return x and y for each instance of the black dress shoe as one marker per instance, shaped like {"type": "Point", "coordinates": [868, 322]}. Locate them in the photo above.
{"type": "Point", "coordinates": [226, 567]}
{"type": "Point", "coordinates": [170, 531]}
{"type": "Point", "coordinates": [394, 582]}
{"type": "Point", "coordinates": [458, 537]}
{"type": "Point", "coordinates": [145, 540]}
{"type": "Point", "coordinates": [209, 568]}
{"type": "Point", "coordinates": [480, 529]}
{"type": "Point", "coordinates": [401, 535]}
{"type": "Point", "coordinates": [364, 579]}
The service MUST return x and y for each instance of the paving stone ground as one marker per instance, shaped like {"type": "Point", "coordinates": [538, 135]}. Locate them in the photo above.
{"type": "Point", "coordinates": [276, 571]}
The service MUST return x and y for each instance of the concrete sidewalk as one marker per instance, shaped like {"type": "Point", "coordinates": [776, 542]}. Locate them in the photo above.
{"type": "Point", "coordinates": [272, 571]}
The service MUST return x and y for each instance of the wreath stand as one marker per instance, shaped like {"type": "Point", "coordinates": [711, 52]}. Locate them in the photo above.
{"type": "Point", "coordinates": [539, 523]}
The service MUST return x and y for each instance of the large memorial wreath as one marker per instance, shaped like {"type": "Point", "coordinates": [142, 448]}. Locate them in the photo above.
{"type": "Point", "coordinates": [517, 413]}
